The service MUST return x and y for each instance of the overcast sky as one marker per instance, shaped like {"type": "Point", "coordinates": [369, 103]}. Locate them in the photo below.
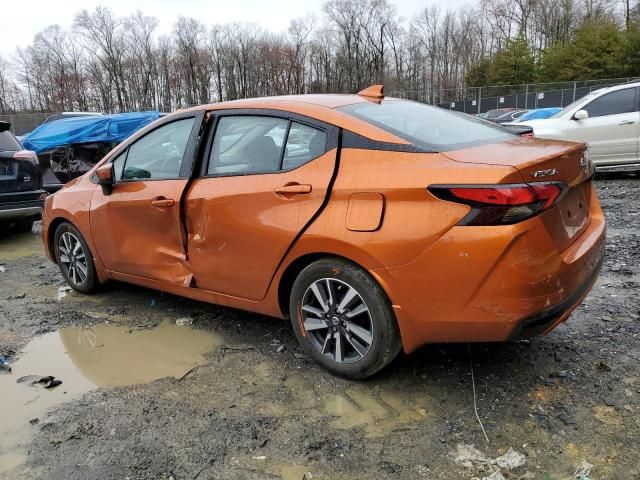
{"type": "Point", "coordinates": [20, 20]}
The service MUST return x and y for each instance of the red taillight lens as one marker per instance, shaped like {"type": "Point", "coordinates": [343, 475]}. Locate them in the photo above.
{"type": "Point", "coordinates": [501, 204]}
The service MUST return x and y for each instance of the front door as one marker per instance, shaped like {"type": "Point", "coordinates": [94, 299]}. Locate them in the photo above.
{"type": "Point", "coordinates": [137, 228]}
{"type": "Point", "coordinates": [612, 129]}
{"type": "Point", "coordinates": [264, 178]}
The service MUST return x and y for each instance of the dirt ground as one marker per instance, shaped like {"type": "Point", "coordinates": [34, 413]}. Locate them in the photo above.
{"type": "Point", "coordinates": [232, 397]}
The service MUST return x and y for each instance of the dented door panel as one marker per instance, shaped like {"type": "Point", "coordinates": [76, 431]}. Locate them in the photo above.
{"type": "Point", "coordinates": [138, 227]}
{"type": "Point", "coordinates": [135, 237]}
{"type": "Point", "coordinates": [240, 227]}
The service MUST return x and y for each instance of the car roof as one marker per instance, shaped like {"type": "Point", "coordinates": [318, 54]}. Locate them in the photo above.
{"type": "Point", "coordinates": [323, 107]}
{"type": "Point", "coordinates": [612, 88]}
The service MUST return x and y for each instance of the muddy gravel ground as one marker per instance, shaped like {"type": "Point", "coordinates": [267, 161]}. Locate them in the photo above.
{"type": "Point", "coordinates": [232, 397]}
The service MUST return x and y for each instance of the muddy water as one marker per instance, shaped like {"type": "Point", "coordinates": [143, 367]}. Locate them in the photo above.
{"type": "Point", "coordinates": [103, 355]}
{"type": "Point", "coordinates": [18, 246]}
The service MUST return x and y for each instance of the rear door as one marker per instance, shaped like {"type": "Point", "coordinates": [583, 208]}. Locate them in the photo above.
{"type": "Point", "coordinates": [137, 228]}
{"type": "Point", "coordinates": [612, 129]}
{"type": "Point", "coordinates": [264, 177]}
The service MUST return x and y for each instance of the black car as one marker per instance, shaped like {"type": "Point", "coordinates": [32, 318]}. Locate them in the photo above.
{"type": "Point", "coordinates": [21, 193]}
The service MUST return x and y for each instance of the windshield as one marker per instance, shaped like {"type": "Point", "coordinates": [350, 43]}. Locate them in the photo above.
{"type": "Point", "coordinates": [427, 126]}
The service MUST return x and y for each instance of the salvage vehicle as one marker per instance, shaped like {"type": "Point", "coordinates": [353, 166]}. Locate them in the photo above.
{"type": "Point", "coordinates": [374, 224]}
{"type": "Point", "coordinates": [21, 193]}
{"type": "Point", "coordinates": [607, 119]}
{"type": "Point", "coordinates": [69, 144]}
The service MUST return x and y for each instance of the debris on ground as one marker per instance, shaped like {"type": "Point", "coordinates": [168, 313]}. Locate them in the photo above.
{"type": "Point", "coordinates": [184, 321]}
{"type": "Point", "coordinates": [4, 365]}
{"type": "Point", "coordinates": [583, 471]}
{"type": "Point", "coordinates": [2, 269]}
{"type": "Point", "coordinates": [497, 475]}
{"type": "Point", "coordinates": [281, 349]}
{"type": "Point", "coordinates": [236, 348]}
{"type": "Point", "coordinates": [47, 381]}
{"type": "Point", "coordinates": [469, 456]}
{"type": "Point", "coordinates": [62, 291]}
{"type": "Point", "coordinates": [510, 460]}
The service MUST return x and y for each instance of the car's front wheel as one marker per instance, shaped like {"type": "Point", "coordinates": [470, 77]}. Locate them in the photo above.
{"type": "Point", "coordinates": [343, 319]}
{"type": "Point", "coordinates": [74, 259]}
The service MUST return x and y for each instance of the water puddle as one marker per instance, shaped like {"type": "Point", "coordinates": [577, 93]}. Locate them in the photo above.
{"type": "Point", "coordinates": [379, 414]}
{"type": "Point", "coordinates": [103, 355]}
{"type": "Point", "coordinates": [18, 246]}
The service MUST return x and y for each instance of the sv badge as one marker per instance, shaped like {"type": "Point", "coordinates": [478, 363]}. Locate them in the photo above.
{"type": "Point", "coordinates": [544, 173]}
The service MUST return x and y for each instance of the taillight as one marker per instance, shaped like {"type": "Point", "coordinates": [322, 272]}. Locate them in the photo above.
{"type": "Point", "coordinates": [501, 204]}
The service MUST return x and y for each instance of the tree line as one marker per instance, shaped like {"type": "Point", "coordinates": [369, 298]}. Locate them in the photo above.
{"type": "Point", "coordinates": [114, 64]}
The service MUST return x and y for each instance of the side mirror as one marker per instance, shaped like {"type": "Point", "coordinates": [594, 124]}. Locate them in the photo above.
{"type": "Point", "coordinates": [106, 178]}
{"type": "Point", "coordinates": [581, 115]}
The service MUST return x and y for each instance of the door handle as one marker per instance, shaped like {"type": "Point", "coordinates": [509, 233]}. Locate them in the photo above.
{"type": "Point", "coordinates": [161, 202]}
{"type": "Point", "coordinates": [292, 189]}
{"type": "Point", "coordinates": [627, 122]}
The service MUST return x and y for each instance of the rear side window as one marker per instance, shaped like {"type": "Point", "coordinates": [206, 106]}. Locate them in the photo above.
{"type": "Point", "coordinates": [247, 144]}
{"type": "Point", "coordinates": [426, 126]}
{"type": "Point", "coordinates": [304, 143]}
{"type": "Point", "coordinates": [8, 142]}
{"type": "Point", "coordinates": [620, 101]}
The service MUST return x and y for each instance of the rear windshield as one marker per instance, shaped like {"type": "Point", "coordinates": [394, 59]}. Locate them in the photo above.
{"type": "Point", "coordinates": [427, 126]}
{"type": "Point", "coordinates": [8, 142]}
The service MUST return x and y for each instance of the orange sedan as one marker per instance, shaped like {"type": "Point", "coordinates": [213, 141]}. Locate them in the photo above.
{"type": "Point", "coordinates": [373, 224]}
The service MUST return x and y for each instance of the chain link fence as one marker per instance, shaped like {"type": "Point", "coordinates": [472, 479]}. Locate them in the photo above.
{"type": "Point", "coordinates": [22, 123]}
{"type": "Point", "coordinates": [526, 96]}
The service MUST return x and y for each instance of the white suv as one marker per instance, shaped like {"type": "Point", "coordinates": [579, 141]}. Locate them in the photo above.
{"type": "Point", "coordinates": [607, 119]}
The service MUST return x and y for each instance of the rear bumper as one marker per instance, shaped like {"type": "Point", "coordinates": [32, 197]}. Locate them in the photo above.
{"type": "Point", "coordinates": [546, 320]}
{"type": "Point", "coordinates": [21, 209]}
{"type": "Point", "coordinates": [485, 284]}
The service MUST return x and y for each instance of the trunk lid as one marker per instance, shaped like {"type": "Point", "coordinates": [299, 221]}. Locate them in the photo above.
{"type": "Point", "coordinates": [545, 161]}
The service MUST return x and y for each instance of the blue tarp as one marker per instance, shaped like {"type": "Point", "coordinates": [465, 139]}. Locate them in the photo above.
{"type": "Point", "coordinates": [87, 129]}
{"type": "Point", "coordinates": [539, 113]}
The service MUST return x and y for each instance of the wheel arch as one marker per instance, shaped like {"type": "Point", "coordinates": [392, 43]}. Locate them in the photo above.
{"type": "Point", "coordinates": [409, 335]}
{"type": "Point", "coordinates": [293, 269]}
{"type": "Point", "coordinates": [51, 233]}
{"type": "Point", "coordinates": [49, 237]}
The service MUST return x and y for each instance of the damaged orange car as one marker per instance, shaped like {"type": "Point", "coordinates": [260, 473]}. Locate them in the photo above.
{"type": "Point", "coordinates": [374, 224]}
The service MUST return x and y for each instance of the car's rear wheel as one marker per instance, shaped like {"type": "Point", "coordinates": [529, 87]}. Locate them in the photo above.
{"type": "Point", "coordinates": [74, 259]}
{"type": "Point", "coordinates": [343, 318]}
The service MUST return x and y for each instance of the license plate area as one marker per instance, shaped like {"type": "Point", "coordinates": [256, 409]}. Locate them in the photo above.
{"type": "Point", "coordinates": [7, 169]}
{"type": "Point", "coordinates": [574, 209]}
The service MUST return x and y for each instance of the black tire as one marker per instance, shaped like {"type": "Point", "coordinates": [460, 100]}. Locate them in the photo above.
{"type": "Point", "coordinates": [83, 283]}
{"type": "Point", "coordinates": [22, 226]}
{"type": "Point", "coordinates": [358, 359]}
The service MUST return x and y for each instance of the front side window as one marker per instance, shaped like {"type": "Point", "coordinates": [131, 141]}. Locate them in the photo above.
{"type": "Point", "coordinates": [247, 144]}
{"type": "Point", "coordinates": [426, 126]}
{"type": "Point", "coordinates": [304, 143]}
{"type": "Point", "coordinates": [620, 101]}
{"type": "Point", "coordinates": [157, 155]}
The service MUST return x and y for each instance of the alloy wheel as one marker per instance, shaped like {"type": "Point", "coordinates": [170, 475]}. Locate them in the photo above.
{"type": "Point", "coordinates": [337, 320]}
{"type": "Point", "coordinates": [73, 258]}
